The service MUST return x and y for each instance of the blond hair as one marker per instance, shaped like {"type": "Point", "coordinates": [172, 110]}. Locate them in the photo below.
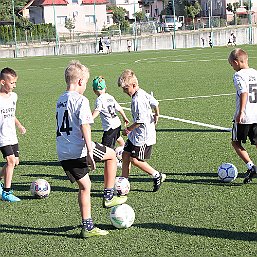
{"type": "Point", "coordinates": [75, 71]}
{"type": "Point", "coordinates": [238, 54]}
{"type": "Point", "coordinates": [127, 77]}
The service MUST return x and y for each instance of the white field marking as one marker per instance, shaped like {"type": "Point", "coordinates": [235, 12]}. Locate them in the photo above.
{"type": "Point", "coordinates": [189, 97]}
{"type": "Point", "coordinates": [191, 122]}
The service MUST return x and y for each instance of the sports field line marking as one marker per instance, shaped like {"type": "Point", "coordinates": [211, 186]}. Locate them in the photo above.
{"type": "Point", "coordinates": [189, 97]}
{"type": "Point", "coordinates": [191, 122]}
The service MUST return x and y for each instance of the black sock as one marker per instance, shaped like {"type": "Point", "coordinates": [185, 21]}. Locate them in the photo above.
{"type": "Point", "coordinates": [7, 189]}
{"type": "Point", "coordinates": [88, 224]}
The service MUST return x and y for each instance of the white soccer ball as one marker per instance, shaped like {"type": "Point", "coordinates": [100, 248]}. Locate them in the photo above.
{"type": "Point", "coordinates": [40, 188]}
{"type": "Point", "coordinates": [119, 151]}
{"type": "Point", "coordinates": [122, 216]}
{"type": "Point", "coordinates": [227, 172]}
{"type": "Point", "coordinates": [121, 186]}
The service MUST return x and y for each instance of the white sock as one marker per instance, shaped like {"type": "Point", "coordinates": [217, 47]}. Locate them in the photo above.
{"type": "Point", "coordinates": [249, 165]}
{"type": "Point", "coordinates": [156, 174]}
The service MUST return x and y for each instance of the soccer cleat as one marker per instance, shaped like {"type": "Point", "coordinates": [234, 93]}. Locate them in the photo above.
{"type": "Point", "coordinates": [250, 174]}
{"type": "Point", "coordinates": [94, 232]}
{"type": "Point", "coordinates": [158, 181]}
{"type": "Point", "coordinates": [116, 200]}
{"type": "Point", "coordinates": [9, 197]}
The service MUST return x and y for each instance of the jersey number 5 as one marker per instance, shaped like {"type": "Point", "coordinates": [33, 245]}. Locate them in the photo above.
{"type": "Point", "coordinates": [65, 127]}
{"type": "Point", "coordinates": [253, 93]}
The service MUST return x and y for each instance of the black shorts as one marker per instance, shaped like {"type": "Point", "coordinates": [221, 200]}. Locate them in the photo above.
{"type": "Point", "coordinates": [10, 150]}
{"type": "Point", "coordinates": [110, 137]}
{"type": "Point", "coordinates": [76, 169]}
{"type": "Point", "coordinates": [141, 153]}
{"type": "Point", "coordinates": [240, 132]}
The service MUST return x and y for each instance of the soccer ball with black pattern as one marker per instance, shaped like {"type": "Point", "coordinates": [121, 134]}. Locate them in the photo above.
{"type": "Point", "coordinates": [121, 186]}
{"type": "Point", "coordinates": [227, 172]}
{"type": "Point", "coordinates": [40, 188]}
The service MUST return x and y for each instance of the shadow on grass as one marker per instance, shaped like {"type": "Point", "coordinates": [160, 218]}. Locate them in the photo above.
{"type": "Point", "coordinates": [207, 232]}
{"type": "Point", "coordinates": [57, 231]}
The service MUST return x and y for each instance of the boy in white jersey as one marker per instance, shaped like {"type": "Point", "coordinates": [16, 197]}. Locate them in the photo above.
{"type": "Point", "coordinates": [141, 134]}
{"type": "Point", "coordinates": [107, 106]}
{"type": "Point", "coordinates": [245, 118]}
{"type": "Point", "coordinates": [8, 138]}
{"type": "Point", "coordinates": [75, 150]}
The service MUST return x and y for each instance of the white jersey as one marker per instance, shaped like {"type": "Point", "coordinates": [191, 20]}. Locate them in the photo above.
{"type": "Point", "coordinates": [141, 109]}
{"type": "Point", "coordinates": [108, 106]}
{"type": "Point", "coordinates": [72, 110]}
{"type": "Point", "coordinates": [8, 134]}
{"type": "Point", "coordinates": [245, 80]}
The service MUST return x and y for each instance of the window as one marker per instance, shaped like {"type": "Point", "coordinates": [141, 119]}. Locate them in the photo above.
{"type": "Point", "coordinates": [89, 19]}
{"type": "Point", "coordinates": [61, 20]}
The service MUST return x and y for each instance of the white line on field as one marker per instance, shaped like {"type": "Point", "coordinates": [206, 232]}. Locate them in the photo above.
{"type": "Point", "coordinates": [189, 97]}
{"type": "Point", "coordinates": [191, 122]}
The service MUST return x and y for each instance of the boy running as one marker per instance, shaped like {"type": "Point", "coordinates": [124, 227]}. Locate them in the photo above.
{"type": "Point", "coordinates": [141, 134]}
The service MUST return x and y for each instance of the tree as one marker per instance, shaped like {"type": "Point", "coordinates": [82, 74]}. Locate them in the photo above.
{"type": "Point", "coordinates": [70, 25]}
{"type": "Point", "coordinates": [192, 9]}
{"type": "Point", "coordinates": [232, 8]}
{"type": "Point", "coordinates": [119, 14]}
{"type": "Point", "coordinates": [6, 8]}
{"type": "Point", "coordinates": [140, 16]}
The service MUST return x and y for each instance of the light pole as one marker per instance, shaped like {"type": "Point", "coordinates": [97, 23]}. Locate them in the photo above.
{"type": "Point", "coordinates": [250, 23]}
{"type": "Point", "coordinates": [14, 31]}
{"type": "Point", "coordinates": [174, 25]}
{"type": "Point", "coordinates": [135, 27]}
{"type": "Point", "coordinates": [95, 26]}
{"type": "Point", "coordinates": [56, 33]}
{"type": "Point", "coordinates": [210, 19]}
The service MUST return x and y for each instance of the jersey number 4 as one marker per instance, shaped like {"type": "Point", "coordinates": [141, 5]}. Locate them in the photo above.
{"type": "Point", "coordinates": [65, 127]}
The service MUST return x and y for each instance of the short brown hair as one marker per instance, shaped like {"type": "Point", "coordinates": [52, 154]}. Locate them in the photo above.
{"type": "Point", "coordinates": [238, 54]}
{"type": "Point", "coordinates": [7, 71]}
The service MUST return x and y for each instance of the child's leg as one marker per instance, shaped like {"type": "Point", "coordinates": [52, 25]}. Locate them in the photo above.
{"type": "Point", "coordinates": [241, 152]}
{"type": "Point", "coordinates": [144, 166]}
{"type": "Point", "coordinates": [84, 197]}
{"type": "Point", "coordinates": [126, 164]}
{"type": "Point", "coordinates": [120, 141]}
{"type": "Point", "coordinates": [8, 170]}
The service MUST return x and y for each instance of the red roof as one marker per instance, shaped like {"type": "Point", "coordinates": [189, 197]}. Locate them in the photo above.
{"type": "Point", "coordinates": [49, 2]}
{"type": "Point", "coordinates": [65, 2]}
{"type": "Point", "coordinates": [94, 1]}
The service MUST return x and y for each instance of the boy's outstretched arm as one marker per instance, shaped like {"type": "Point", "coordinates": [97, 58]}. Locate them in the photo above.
{"type": "Point", "coordinates": [19, 126]}
{"type": "Point", "coordinates": [95, 113]}
{"type": "Point", "coordinates": [125, 119]}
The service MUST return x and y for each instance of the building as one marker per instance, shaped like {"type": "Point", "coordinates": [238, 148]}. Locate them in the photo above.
{"type": "Point", "coordinates": [87, 15]}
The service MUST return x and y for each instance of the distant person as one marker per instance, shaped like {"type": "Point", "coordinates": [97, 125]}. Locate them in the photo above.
{"type": "Point", "coordinates": [107, 107]}
{"type": "Point", "coordinates": [100, 45]}
{"type": "Point", "coordinates": [232, 40]}
{"type": "Point", "coordinates": [129, 44]}
{"type": "Point", "coordinates": [203, 41]}
{"type": "Point", "coordinates": [141, 134]}
{"type": "Point", "coordinates": [75, 150]}
{"type": "Point", "coordinates": [210, 42]}
{"type": "Point", "coordinates": [8, 138]}
{"type": "Point", "coordinates": [108, 45]}
{"type": "Point", "coordinates": [245, 118]}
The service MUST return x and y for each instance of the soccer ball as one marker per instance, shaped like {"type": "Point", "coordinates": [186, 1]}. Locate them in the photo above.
{"type": "Point", "coordinates": [40, 188]}
{"type": "Point", "coordinates": [227, 172]}
{"type": "Point", "coordinates": [119, 151]}
{"type": "Point", "coordinates": [122, 186]}
{"type": "Point", "coordinates": [122, 216]}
